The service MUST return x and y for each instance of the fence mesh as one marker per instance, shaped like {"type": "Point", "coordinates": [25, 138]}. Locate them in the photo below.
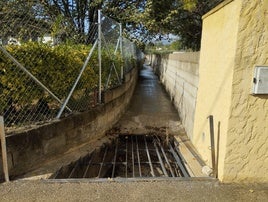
{"type": "Point", "coordinates": [129, 54]}
{"type": "Point", "coordinates": [111, 48]}
{"type": "Point", "coordinates": [47, 60]}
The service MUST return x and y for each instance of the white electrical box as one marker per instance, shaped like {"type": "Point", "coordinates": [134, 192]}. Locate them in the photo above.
{"type": "Point", "coordinates": [260, 80]}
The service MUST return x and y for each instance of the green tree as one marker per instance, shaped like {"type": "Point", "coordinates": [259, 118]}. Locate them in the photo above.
{"type": "Point", "coordinates": [19, 19]}
{"type": "Point", "coordinates": [179, 17]}
{"type": "Point", "coordinates": [76, 19]}
{"type": "Point", "coordinates": [147, 19]}
{"type": "Point", "coordinates": [79, 17]}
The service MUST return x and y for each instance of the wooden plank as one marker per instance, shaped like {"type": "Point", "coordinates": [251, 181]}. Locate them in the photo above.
{"type": "Point", "coordinates": [4, 149]}
{"type": "Point", "coordinates": [191, 159]}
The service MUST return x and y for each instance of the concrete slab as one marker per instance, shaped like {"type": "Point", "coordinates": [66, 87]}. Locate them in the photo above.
{"type": "Point", "coordinates": [176, 190]}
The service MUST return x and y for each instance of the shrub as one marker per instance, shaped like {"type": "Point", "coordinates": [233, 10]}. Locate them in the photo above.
{"type": "Point", "coordinates": [56, 67]}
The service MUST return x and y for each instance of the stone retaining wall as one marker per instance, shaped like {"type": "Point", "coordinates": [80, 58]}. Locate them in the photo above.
{"type": "Point", "coordinates": [31, 147]}
{"type": "Point", "coordinates": [179, 74]}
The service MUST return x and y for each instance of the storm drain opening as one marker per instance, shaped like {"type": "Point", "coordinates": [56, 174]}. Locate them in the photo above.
{"type": "Point", "coordinates": [129, 156]}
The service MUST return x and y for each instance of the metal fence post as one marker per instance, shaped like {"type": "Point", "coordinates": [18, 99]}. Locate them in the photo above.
{"type": "Point", "coordinates": [211, 128]}
{"type": "Point", "coordinates": [31, 76]}
{"type": "Point", "coordinates": [99, 53]}
{"type": "Point", "coordinates": [4, 149]}
{"type": "Point", "coordinates": [77, 80]}
{"type": "Point", "coordinates": [121, 51]}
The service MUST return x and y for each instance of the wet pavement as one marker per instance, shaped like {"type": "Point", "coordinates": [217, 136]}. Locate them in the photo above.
{"type": "Point", "coordinates": [150, 108]}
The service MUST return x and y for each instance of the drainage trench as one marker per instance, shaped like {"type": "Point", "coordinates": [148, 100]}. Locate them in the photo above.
{"type": "Point", "coordinates": [129, 156]}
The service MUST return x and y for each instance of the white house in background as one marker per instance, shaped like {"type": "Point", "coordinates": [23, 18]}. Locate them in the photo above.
{"type": "Point", "coordinates": [13, 41]}
{"type": "Point", "coordinates": [47, 38]}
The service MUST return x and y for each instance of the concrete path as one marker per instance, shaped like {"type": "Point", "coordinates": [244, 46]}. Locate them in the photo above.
{"type": "Point", "coordinates": [150, 109]}
{"type": "Point", "coordinates": [131, 191]}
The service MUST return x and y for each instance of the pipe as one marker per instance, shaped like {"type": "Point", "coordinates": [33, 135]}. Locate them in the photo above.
{"type": "Point", "coordinates": [212, 143]}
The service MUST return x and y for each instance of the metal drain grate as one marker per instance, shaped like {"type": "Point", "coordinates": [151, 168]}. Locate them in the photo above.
{"type": "Point", "coordinates": [129, 156]}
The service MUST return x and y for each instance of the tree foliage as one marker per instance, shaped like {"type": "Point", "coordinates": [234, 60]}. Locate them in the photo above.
{"type": "Point", "coordinates": [148, 19]}
{"type": "Point", "coordinates": [19, 19]}
{"type": "Point", "coordinates": [179, 17]}
{"type": "Point", "coordinates": [78, 17]}
{"type": "Point", "coordinates": [143, 19]}
{"type": "Point", "coordinates": [57, 68]}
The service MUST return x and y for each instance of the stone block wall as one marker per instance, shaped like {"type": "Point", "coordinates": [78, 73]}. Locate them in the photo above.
{"type": "Point", "coordinates": [179, 74]}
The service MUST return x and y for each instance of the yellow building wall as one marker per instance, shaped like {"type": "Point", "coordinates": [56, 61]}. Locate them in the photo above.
{"type": "Point", "coordinates": [234, 41]}
{"type": "Point", "coordinates": [218, 48]}
{"type": "Point", "coordinates": [246, 157]}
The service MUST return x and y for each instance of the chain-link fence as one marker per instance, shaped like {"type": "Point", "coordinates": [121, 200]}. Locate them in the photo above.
{"type": "Point", "coordinates": [111, 43]}
{"type": "Point", "coordinates": [130, 54]}
{"type": "Point", "coordinates": [50, 66]}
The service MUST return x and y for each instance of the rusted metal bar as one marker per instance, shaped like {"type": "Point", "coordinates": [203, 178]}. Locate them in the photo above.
{"type": "Point", "coordinates": [89, 163]}
{"type": "Point", "coordinates": [182, 158]}
{"type": "Point", "coordinates": [115, 156]}
{"type": "Point", "coordinates": [126, 138]}
{"type": "Point", "coordinates": [218, 150]}
{"type": "Point", "coordinates": [160, 160]}
{"type": "Point", "coordinates": [175, 155]}
{"type": "Point", "coordinates": [138, 155]}
{"type": "Point", "coordinates": [133, 161]}
{"type": "Point", "coordinates": [4, 148]}
{"type": "Point", "coordinates": [140, 179]}
{"type": "Point", "coordinates": [57, 173]}
{"type": "Point", "coordinates": [212, 143]}
{"type": "Point", "coordinates": [74, 168]}
{"type": "Point", "coordinates": [165, 156]}
{"type": "Point", "coordinates": [128, 152]}
{"type": "Point", "coordinates": [103, 159]}
{"type": "Point", "coordinates": [178, 170]}
{"type": "Point", "coordinates": [149, 158]}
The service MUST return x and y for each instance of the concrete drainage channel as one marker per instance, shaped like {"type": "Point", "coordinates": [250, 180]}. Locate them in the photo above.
{"type": "Point", "coordinates": [129, 157]}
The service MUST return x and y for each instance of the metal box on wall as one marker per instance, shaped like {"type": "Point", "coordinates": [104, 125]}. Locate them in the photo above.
{"type": "Point", "coordinates": [260, 80]}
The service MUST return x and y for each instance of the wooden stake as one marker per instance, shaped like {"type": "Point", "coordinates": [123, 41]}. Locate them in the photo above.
{"type": "Point", "coordinates": [4, 149]}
